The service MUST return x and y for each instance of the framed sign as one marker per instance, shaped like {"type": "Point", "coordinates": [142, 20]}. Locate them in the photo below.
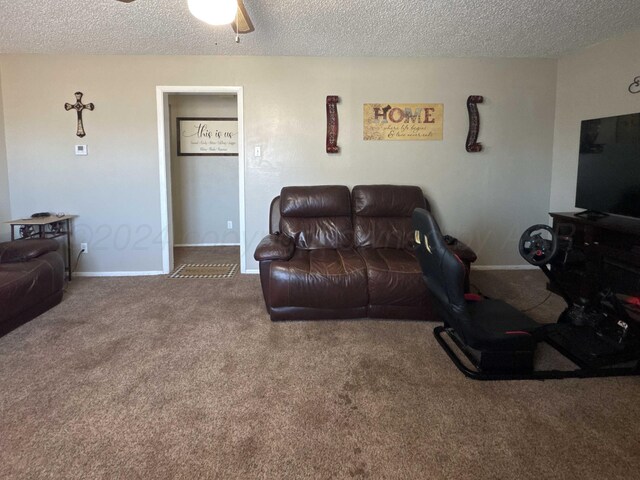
{"type": "Point", "coordinates": [207, 136]}
{"type": "Point", "coordinates": [403, 121]}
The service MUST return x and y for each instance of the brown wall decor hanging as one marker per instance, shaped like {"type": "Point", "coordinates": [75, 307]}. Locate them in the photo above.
{"type": "Point", "coordinates": [79, 107]}
{"type": "Point", "coordinates": [474, 123]}
{"type": "Point", "coordinates": [332, 124]}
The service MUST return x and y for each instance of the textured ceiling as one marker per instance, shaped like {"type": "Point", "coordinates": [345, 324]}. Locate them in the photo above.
{"type": "Point", "coordinates": [408, 28]}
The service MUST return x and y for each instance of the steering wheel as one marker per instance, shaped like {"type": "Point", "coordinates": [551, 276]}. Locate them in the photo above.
{"type": "Point", "coordinates": [536, 250]}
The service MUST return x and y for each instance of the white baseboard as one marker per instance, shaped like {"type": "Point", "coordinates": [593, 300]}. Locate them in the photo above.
{"type": "Point", "coordinates": [207, 245]}
{"type": "Point", "coordinates": [118, 274]}
{"type": "Point", "coordinates": [504, 267]}
{"type": "Point", "coordinates": [252, 271]}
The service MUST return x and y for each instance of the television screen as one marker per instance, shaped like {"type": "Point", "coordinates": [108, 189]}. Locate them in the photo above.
{"type": "Point", "coordinates": [609, 165]}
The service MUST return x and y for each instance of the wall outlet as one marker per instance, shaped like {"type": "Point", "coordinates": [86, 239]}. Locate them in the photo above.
{"type": "Point", "coordinates": [230, 225]}
{"type": "Point", "coordinates": [84, 248]}
{"type": "Point", "coordinates": [81, 150]}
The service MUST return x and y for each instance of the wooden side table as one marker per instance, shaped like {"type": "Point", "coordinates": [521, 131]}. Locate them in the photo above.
{"type": "Point", "coordinates": [52, 226]}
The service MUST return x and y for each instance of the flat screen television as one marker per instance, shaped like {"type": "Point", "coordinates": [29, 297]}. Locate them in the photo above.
{"type": "Point", "coordinates": [609, 165]}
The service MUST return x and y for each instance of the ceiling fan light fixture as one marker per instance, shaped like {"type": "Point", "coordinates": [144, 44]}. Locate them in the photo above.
{"type": "Point", "coordinates": [214, 12]}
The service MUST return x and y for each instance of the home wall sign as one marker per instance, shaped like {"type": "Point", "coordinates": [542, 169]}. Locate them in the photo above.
{"type": "Point", "coordinates": [207, 136]}
{"type": "Point", "coordinates": [403, 121]}
{"type": "Point", "coordinates": [79, 107]}
{"type": "Point", "coordinates": [635, 86]}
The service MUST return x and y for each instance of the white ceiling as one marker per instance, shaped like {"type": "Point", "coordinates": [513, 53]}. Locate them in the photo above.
{"type": "Point", "coordinates": [407, 28]}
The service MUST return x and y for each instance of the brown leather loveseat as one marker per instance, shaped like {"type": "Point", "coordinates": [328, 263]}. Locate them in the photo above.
{"type": "Point", "coordinates": [336, 254]}
{"type": "Point", "coordinates": [31, 280]}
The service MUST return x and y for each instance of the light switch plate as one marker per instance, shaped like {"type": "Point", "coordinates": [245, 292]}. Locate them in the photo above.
{"type": "Point", "coordinates": [81, 150]}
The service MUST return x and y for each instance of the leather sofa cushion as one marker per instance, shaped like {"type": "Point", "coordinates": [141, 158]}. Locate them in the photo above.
{"type": "Point", "coordinates": [326, 278]}
{"type": "Point", "coordinates": [25, 250]}
{"type": "Point", "coordinates": [385, 232]}
{"type": "Point", "coordinates": [394, 277]}
{"type": "Point", "coordinates": [319, 233]}
{"type": "Point", "coordinates": [382, 215]}
{"type": "Point", "coordinates": [317, 217]}
{"type": "Point", "coordinates": [315, 201]}
{"type": "Point", "coordinates": [386, 200]}
{"type": "Point", "coordinates": [24, 284]}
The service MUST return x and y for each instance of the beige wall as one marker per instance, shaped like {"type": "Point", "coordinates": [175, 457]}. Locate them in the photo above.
{"type": "Point", "coordinates": [204, 190]}
{"type": "Point", "coordinates": [592, 83]}
{"type": "Point", "coordinates": [5, 206]}
{"type": "Point", "coordinates": [485, 199]}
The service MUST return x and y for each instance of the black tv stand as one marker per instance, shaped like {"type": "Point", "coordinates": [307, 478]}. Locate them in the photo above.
{"type": "Point", "coordinates": [609, 249]}
{"type": "Point", "coordinates": [592, 214]}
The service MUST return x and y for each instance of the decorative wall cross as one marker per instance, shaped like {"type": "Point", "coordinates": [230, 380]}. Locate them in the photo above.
{"type": "Point", "coordinates": [79, 107]}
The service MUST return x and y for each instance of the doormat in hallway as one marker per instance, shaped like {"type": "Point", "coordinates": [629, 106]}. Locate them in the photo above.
{"type": "Point", "coordinates": [205, 270]}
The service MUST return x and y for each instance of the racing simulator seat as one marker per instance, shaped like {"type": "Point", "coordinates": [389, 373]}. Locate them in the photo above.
{"type": "Point", "coordinates": [498, 340]}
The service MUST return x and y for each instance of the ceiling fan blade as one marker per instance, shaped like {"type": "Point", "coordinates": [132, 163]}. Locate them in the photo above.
{"type": "Point", "coordinates": [244, 24]}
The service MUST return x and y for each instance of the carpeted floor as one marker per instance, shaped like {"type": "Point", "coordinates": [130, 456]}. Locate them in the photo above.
{"type": "Point", "coordinates": [159, 378]}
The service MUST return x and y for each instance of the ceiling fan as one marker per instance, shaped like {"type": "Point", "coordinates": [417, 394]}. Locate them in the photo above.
{"type": "Point", "coordinates": [201, 9]}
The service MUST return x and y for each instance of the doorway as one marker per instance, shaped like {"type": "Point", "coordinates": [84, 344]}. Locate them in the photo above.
{"type": "Point", "coordinates": [202, 196]}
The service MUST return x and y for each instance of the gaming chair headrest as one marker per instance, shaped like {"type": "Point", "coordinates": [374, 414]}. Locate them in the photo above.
{"type": "Point", "coordinates": [443, 270]}
{"type": "Point", "coordinates": [427, 232]}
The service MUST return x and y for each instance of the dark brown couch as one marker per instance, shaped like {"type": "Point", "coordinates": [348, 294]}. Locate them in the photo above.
{"type": "Point", "coordinates": [31, 280]}
{"type": "Point", "coordinates": [338, 254]}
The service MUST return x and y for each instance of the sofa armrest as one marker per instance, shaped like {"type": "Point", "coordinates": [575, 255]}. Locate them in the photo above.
{"type": "Point", "coordinates": [274, 247]}
{"type": "Point", "coordinates": [25, 250]}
